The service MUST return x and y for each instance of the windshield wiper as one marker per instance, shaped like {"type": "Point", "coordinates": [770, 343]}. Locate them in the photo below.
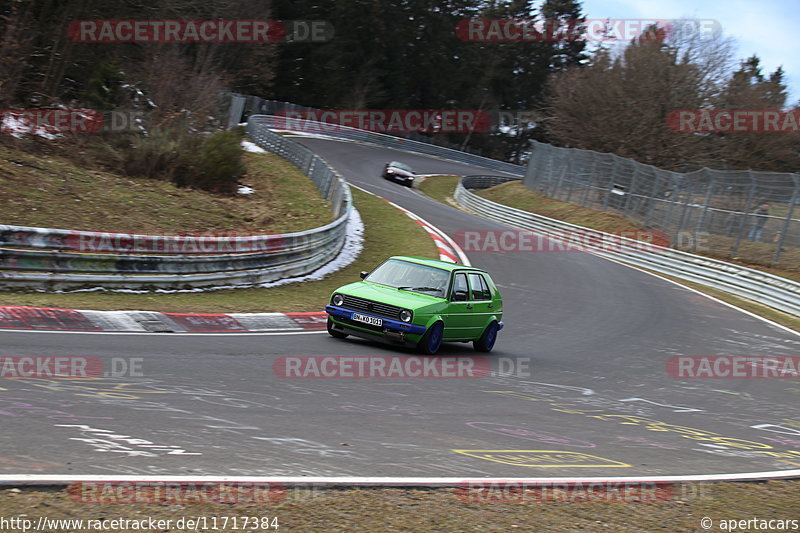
{"type": "Point", "coordinates": [437, 289]}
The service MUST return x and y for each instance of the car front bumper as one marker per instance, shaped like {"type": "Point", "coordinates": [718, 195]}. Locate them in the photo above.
{"type": "Point", "coordinates": [406, 180]}
{"type": "Point", "coordinates": [391, 331]}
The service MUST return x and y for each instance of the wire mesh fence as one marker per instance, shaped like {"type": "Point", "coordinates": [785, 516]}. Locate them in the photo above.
{"type": "Point", "coordinates": [748, 215]}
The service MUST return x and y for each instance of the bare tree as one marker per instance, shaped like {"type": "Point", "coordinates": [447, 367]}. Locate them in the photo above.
{"type": "Point", "coordinates": [749, 89]}
{"type": "Point", "coordinates": [708, 50]}
{"type": "Point", "coordinates": [179, 85]}
{"type": "Point", "coordinates": [621, 104]}
{"type": "Point", "coordinates": [16, 45]}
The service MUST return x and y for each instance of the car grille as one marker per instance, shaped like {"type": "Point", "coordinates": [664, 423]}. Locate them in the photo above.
{"type": "Point", "coordinates": [371, 307]}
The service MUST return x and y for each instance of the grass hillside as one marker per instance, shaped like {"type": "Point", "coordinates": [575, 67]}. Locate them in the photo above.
{"type": "Point", "coordinates": [48, 190]}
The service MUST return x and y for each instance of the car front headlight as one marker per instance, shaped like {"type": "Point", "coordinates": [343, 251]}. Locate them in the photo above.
{"type": "Point", "coordinates": [406, 315]}
{"type": "Point", "coordinates": [337, 300]}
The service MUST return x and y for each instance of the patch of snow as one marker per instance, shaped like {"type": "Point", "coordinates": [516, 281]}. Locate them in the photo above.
{"type": "Point", "coordinates": [304, 134]}
{"type": "Point", "coordinates": [253, 147]}
{"type": "Point", "coordinates": [15, 123]}
{"type": "Point", "coordinates": [245, 189]}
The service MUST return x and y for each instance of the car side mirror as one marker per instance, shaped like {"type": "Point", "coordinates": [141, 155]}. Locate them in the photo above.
{"type": "Point", "coordinates": [364, 274]}
{"type": "Point", "coordinates": [460, 296]}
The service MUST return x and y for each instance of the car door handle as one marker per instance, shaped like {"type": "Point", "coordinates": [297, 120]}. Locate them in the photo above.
{"type": "Point", "coordinates": [469, 306]}
{"type": "Point", "coordinates": [491, 306]}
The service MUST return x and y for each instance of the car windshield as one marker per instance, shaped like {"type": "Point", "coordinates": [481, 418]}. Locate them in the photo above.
{"type": "Point", "coordinates": [411, 277]}
{"type": "Point", "coordinates": [401, 166]}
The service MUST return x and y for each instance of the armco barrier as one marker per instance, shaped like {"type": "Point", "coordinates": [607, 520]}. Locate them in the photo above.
{"type": "Point", "coordinates": [387, 141]}
{"type": "Point", "coordinates": [774, 291]}
{"type": "Point", "coordinates": [55, 259]}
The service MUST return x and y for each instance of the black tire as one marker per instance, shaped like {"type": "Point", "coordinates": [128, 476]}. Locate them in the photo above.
{"type": "Point", "coordinates": [430, 342]}
{"type": "Point", "coordinates": [333, 333]}
{"type": "Point", "coordinates": [488, 338]}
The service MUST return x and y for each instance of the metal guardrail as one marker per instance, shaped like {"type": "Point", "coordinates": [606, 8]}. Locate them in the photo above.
{"type": "Point", "coordinates": [242, 107]}
{"type": "Point", "coordinates": [387, 141]}
{"type": "Point", "coordinates": [56, 259]}
{"type": "Point", "coordinates": [774, 291]}
{"type": "Point", "coordinates": [484, 182]}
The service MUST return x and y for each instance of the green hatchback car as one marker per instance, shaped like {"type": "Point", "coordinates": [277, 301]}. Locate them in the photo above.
{"type": "Point", "coordinates": [419, 302]}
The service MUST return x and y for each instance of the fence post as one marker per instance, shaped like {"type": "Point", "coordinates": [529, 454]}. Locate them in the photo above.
{"type": "Point", "coordinates": [533, 163]}
{"type": "Point", "coordinates": [702, 220]}
{"type": "Point", "coordinates": [592, 173]}
{"type": "Point", "coordinates": [785, 229]}
{"type": "Point", "coordinates": [652, 203]}
{"type": "Point", "coordinates": [551, 164]}
{"type": "Point", "coordinates": [673, 199]}
{"type": "Point", "coordinates": [571, 182]}
{"type": "Point", "coordinates": [610, 185]}
{"type": "Point", "coordinates": [744, 217]}
{"type": "Point", "coordinates": [557, 186]}
{"type": "Point", "coordinates": [684, 213]}
{"type": "Point", "coordinates": [631, 188]}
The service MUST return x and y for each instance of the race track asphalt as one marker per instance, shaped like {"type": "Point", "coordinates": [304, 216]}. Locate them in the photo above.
{"type": "Point", "coordinates": [579, 383]}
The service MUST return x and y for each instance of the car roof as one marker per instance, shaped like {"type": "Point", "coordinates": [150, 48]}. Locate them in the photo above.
{"type": "Point", "coordinates": [444, 265]}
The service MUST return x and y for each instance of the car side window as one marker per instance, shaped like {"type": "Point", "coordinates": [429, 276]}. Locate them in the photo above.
{"type": "Point", "coordinates": [460, 287]}
{"type": "Point", "coordinates": [480, 290]}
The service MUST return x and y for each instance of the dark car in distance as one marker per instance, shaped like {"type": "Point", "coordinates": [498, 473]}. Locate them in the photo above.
{"type": "Point", "coordinates": [399, 172]}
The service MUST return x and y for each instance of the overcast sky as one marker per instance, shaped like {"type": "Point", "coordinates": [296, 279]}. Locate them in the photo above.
{"type": "Point", "coordinates": [768, 28]}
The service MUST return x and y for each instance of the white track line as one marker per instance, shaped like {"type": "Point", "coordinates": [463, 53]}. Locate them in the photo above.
{"type": "Point", "coordinates": [448, 249]}
{"type": "Point", "coordinates": [701, 293]}
{"type": "Point", "coordinates": [170, 334]}
{"type": "Point", "coordinates": [418, 481]}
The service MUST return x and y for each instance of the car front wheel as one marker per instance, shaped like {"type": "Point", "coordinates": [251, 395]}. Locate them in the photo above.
{"type": "Point", "coordinates": [333, 333]}
{"type": "Point", "coordinates": [430, 342]}
{"type": "Point", "coordinates": [486, 342]}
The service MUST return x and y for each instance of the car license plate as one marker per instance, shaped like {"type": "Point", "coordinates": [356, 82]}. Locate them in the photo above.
{"type": "Point", "coordinates": [373, 321]}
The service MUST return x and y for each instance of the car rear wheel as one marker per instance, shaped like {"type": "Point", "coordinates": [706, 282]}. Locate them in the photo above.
{"type": "Point", "coordinates": [333, 333]}
{"type": "Point", "coordinates": [430, 342]}
{"type": "Point", "coordinates": [486, 342]}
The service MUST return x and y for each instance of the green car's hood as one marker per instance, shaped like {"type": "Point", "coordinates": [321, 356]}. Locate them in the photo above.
{"type": "Point", "coordinates": [389, 295]}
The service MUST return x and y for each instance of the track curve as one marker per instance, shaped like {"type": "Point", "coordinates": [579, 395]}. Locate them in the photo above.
{"type": "Point", "coordinates": [579, 388]}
